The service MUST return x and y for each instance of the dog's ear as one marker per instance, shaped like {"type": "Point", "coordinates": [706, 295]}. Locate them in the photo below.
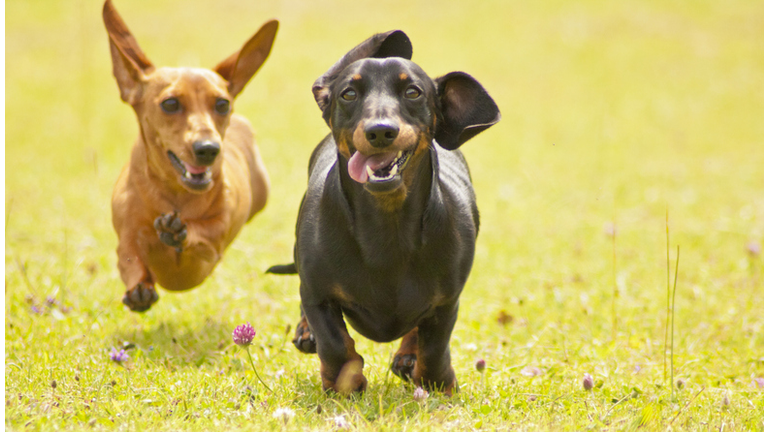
{"type": "Point", "coordinates": [466, 109]}
{"type": "Point", "coordinates": [390, 44]}
{"type": "Point", "coordinates": [129, 63]}
{"type": "Point", "coordinates": [238, 68]}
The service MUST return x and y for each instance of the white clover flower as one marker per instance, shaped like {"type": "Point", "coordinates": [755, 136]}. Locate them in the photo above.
{"type": "Point", "coordinates": [341, 422]}
{"type": "Point", "coordinates": [283, 413]}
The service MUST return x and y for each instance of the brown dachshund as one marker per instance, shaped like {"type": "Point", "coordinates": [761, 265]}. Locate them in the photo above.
{"type": "Point", "coordinates": [195, 176]}
{"type": "Point", "coordinates": [386, 232]}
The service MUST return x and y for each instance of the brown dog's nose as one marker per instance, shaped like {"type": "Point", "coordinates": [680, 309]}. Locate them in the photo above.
{"type": "Point", "coordinates": [206, 151]}
{"type": "Point", "coordinates": [382, 133]}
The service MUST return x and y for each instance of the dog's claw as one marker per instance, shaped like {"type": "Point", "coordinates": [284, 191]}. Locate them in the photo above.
{"type": "Point", "coordinates": [176, 224]}
{"type": "Point", "coordinates": [304, 339]}
{"type": "Point", "coordinates": [171, 230]}
{"type": "Point", "coordinates": [403, 364]}
{"type": "Point", "coordinates": [141, 297]}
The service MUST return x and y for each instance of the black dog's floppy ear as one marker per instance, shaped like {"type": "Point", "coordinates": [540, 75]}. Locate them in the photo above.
{"type": "Point", "coordinates": [390, 44]}
{"type": "Point", "coordinates": [466, 110]}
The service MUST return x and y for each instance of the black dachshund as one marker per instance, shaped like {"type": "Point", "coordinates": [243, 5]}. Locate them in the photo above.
{"type": "Point", "coordinates": [386, 231]}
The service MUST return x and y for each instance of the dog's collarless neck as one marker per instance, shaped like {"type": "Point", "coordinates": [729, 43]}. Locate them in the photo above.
{"type": "Point", "coordinates": [397, 233]}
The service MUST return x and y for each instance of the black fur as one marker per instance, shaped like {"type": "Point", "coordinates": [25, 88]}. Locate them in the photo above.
{"type": "Point", "coordinates": [395, 257]}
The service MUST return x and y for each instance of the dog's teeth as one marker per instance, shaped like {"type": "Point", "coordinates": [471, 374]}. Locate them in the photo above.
{"type": "Point", "coordinates": [400, 153]}
{"type": "Point", "coordinates": [208, 174]}
{"type": "Point", "coordinates": [187, 175]}
{"type": "Point", "coordinates": [370, 171]}
{"type": "Point", "coordinates": [393, 171]}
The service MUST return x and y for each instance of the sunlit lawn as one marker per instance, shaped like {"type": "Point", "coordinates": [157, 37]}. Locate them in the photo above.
{"type": "Point", "coordinates": [614, 114]}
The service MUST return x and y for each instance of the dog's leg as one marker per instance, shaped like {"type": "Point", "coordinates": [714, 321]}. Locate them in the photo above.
{"type": "Point", "coordinates": [303, 339]}
{"type": "Point", "coordinates": [405, 357]}
{"type": "Point", "coordinates": [341, 367]}
{"type": "Point", "coordinates": [141, 294]}
{"type": "Point", "coordinates": [433, 368]}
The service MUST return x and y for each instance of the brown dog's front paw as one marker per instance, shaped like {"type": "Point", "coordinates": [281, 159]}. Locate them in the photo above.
{"type": "Point", "coordinates": [141, 297]}
{"type": "Point", "coordinates": [171, 230]}
{"type": "Point", "coordinates": [403, 364]}
{"type": "Point", "coordinates": [303, 339]}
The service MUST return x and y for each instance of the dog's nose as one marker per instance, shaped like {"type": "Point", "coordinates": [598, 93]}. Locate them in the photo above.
{"type": "Point", "coordinates": [206, 151]}
{"type": "Point", "coordinates": [382, 133]}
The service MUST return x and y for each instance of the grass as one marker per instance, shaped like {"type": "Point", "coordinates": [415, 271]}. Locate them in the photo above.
{"type": "Point", "coordinates": [613, 112]}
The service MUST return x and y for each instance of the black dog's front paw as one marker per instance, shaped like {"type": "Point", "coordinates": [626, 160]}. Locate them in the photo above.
{"type": "Point", "coordinates": [304, 340]}
{"type": "Point", "coordinates": [171, 230]}
{"type": "Point", "coordinates": [403, 364]}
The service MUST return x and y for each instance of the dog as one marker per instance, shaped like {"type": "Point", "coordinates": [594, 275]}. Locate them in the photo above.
{"type": "Point", "coordinates": [195, 176]}
{"type": "Point", "coordinates": [386, 231]}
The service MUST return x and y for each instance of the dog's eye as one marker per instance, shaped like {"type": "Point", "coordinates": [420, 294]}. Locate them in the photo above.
{"type": "Point", "coordinates": [222, 106]}
{"type": "Point", "coordinates": [170, 105]}
{"type": "Point", "coordinates": [412, 93]}
{"type": "Point", "coordinates": [349, 95]}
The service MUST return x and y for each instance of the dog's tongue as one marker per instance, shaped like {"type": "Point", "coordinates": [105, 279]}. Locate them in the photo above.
{"type": "Point", "coordinates": [358, 162]}
{"type": "Point", "coordinates": [195, 169]}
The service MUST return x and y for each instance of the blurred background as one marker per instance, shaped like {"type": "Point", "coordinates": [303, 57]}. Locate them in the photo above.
{"type": "Point", "coordinates": [613, 113]}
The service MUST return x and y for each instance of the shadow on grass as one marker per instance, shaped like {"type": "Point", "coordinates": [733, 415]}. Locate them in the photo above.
{"type": "Point", "coordinates": [179, 345]}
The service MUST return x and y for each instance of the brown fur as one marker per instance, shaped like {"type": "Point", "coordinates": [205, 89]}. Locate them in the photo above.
{"type": "Point", "coordinates": [149, 186]}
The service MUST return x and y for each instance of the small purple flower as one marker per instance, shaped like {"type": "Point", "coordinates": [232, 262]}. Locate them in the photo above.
{"type": "Point", "coordinates": [118, 356]}
{"type": "Point", "coordinates": [341, 422]}
{"type": "Point", "coordinates": [531, 371]}
{"type": "Point", "coordinates": [243, 334]}
{"type": "Point", "coordinates": [753, 248]}
{"type": "Point", "coordinates": [588, 382]}
{"type": "Point", "coordinates": [759, 382]}
{"type": "Point", "coordinates": [420, 394]}
{"type": "Point", "coordinates": [480, 365]}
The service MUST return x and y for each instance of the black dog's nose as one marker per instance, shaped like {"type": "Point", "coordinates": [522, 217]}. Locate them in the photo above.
{"type": "Point", "coordinates": [382, 134]}
{"type": "Point", "coordinates": [206, 151]}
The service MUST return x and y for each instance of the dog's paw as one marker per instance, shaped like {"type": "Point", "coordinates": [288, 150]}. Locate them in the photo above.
{"type": "Point", "coordinates": [141, 297]}
{"type": "Point", "coordinates": [303, 339]}
{"type": "Point", "coordinates": [171, 230]}
{"type": "Point", "coordinates": [403, 364]}
{"type": "Point", "coordinates": [350, 380]}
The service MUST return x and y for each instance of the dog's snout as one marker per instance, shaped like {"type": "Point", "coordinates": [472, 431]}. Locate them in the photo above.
{"type": "Point", "coordinates": [206, 151]}
{"type": "Point", "coordinates": [382, 133]}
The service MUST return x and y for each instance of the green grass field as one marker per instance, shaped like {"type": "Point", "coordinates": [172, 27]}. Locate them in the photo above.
{"type": "Point", "coordinates": [613, 114]}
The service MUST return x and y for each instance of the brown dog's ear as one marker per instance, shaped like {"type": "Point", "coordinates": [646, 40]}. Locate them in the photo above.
{"type": "Point", "coordinates": [238, 68]}
{"type": "Point", "coordinates": [390, 44]}
{"type": "Point", "coordinates": [466, 110]}
{"type": "Point", "coordinates": [129, 64]}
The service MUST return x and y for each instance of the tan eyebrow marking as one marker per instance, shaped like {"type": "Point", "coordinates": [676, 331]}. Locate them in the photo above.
{"type": "Point", "coordinates": [403, 76]}
{"type": "Point", "coordinates": [356, 77]}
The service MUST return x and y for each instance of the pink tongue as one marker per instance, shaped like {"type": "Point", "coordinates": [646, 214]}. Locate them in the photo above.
{"type": "Point", "coordinates": [358, 162]}
{"type": "Point", "coordinates": [194, 170]}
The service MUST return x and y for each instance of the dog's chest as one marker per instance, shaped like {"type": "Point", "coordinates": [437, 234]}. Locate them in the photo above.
{"type": "Point", "coordinates": [385, 309]}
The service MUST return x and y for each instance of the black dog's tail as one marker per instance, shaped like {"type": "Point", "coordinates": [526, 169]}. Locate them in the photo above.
{"type": "Point", "coordinates": [283, 269]}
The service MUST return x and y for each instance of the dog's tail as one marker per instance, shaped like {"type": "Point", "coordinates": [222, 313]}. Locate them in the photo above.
{"type": "Point", "coordinates": [283, 269]}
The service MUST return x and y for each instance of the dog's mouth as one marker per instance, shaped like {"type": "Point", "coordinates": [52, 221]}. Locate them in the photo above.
{"type": "Point", "coordinates": [380, 171]}
{"type": "Point", "coordinates": [194, 177]}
